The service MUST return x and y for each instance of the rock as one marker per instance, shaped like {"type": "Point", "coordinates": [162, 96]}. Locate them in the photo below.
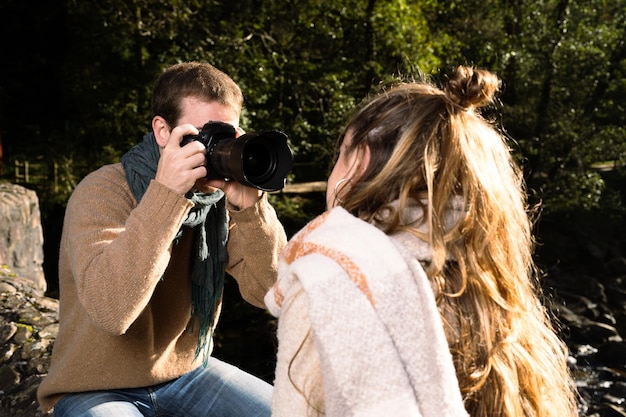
{"type": "Point", "coordinates": [21, 234]}
{"type": "Point", "coordinates": [610, 410]}
{"type": "Point", "coordinates": [591, 308]}
{"type": "Point", "coordinates": [28, 327]}
{"type": "Point", "coordinates": [617, 265]}
{"type": "Point", "coordinates": [613, 354]}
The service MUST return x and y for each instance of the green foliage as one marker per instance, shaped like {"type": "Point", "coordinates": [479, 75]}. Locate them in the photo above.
{"type": "Point", "coordinates": [304, 65]}
{"type": "Point", "coordinates": [295, 211]}
{"type": "Point", "coordinates": [562, 65]}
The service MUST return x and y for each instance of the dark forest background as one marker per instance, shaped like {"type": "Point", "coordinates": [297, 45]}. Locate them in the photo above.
{"type": "Point", "coordinates": [75, 81]}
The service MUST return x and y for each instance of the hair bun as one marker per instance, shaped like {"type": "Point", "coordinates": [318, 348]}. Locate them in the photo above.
{"type": "Point", "coordinates": [472, 88]}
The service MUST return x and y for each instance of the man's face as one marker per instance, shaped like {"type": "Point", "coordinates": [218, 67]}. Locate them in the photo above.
{"type": "Point", "coordinates": [197, 112]}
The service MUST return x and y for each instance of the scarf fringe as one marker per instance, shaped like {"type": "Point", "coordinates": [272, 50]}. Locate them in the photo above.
{"type": "Point", "coordinates": [209, 221]}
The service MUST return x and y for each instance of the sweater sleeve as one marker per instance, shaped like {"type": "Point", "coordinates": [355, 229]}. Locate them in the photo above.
{"type": "Point", "coordinates": [118, 250]}
{"type": "Point", "coordinates": [255, 241]}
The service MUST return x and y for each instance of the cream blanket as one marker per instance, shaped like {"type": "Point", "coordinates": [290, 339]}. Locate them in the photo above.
{"type": "Point", "coordinates": [376, 327]}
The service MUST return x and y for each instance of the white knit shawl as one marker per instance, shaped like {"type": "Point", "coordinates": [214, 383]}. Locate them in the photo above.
{"type": "Point", "coordinates": [374, 320]}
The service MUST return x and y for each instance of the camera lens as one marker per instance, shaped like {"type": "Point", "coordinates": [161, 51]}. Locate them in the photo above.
{"type": "Point", "coordinates": [259, 161]}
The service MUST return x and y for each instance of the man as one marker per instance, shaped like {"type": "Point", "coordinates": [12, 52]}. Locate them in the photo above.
{"type": "Point", "coordinates": [144, 247]}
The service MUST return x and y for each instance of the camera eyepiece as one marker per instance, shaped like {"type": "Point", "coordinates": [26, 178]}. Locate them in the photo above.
{"type": "Point", "coordinates": [257, 159]}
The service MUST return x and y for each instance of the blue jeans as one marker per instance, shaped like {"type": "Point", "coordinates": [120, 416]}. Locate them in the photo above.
{"type": "Point", "coordinates": [217, 390]}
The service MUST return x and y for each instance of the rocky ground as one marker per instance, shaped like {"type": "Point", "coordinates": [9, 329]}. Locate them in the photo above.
{"type": "Point", "coordinates": [585, 284]}
{"type": "Point", "coordinates": [28, 327]}
{"type": "Point", "coordinates": [592, 312]}
{"type": "Point", "coordinates": [590, 302]}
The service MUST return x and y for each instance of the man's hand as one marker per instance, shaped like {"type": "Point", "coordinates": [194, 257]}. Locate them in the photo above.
{"type": "Point", "coordinates": [180, 167]}
{"type": "Point", "coordinates": [238, 195]}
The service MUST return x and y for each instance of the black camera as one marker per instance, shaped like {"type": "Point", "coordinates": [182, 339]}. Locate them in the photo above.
{"type": "Point", "coordinates": [261, 160]}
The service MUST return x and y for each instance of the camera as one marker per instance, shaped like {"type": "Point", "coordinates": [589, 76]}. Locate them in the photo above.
{"type": "Point", "coordinates": [257, 159]}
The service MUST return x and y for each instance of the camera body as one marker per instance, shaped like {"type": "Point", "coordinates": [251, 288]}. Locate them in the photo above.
{"type": "Point", "coordinates": [257, 159]}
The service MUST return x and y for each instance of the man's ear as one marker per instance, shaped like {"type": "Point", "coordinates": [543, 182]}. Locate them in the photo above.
{"type": "Point", "coordinates": [161, 131]}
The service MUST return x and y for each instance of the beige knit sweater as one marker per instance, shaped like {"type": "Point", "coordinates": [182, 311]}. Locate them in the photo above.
{"type": "Point", "coordinates": [125, 297]}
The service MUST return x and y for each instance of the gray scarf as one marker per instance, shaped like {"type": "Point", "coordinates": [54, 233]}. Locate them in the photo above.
{"type": "Point", "coordinates": [208, 219]}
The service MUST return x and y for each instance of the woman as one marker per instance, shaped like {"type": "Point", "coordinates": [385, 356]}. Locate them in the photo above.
{"type": "Point", "coordinates": [415, 293]}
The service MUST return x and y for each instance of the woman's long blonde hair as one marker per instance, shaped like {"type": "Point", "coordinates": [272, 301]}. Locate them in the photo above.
{"type": "Point", "coordinates": [431, 146]}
